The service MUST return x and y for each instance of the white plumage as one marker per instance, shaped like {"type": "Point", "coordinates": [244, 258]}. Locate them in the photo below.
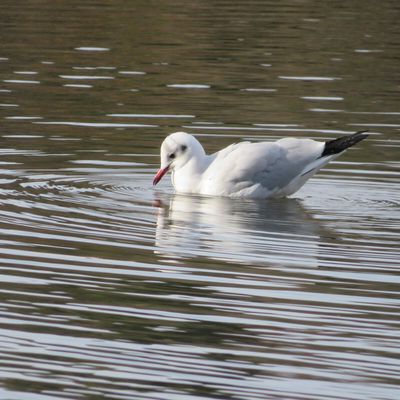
{"type": "Point", "coordinates": [248, 170]}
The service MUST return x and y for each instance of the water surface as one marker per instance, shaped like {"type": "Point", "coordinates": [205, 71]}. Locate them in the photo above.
{"type": "Point", "coordinates": [112, 289]}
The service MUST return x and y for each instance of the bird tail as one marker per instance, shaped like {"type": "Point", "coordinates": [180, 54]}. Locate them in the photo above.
{"type": "Point", "coordinates": [338, 145]}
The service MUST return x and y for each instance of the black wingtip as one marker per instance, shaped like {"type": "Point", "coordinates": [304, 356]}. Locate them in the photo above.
{"type": "Point", "coordinates": [338, 145]}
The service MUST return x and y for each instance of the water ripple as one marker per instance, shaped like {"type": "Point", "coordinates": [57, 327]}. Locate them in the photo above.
{"type": "Point", "coordinates": [113, 289]}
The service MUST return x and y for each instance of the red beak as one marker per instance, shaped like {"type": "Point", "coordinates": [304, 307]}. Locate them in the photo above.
{"type": "Point", "coordinates": [161, 172]}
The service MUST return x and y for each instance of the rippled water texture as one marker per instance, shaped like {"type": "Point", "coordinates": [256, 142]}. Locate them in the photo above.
{"type": "Point", "coordinates": [111, 289]}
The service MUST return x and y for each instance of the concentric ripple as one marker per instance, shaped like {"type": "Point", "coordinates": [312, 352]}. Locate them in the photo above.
{"type": "Point", "coordinates": [125, 292]}
{"type": "Point", "coordinates": [112, 289]}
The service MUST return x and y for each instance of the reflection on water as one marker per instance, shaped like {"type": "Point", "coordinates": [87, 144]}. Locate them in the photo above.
{"type": "Point", "coordinates": [237, 230]}
{"type": "Point", "coordinates": [111, 290]}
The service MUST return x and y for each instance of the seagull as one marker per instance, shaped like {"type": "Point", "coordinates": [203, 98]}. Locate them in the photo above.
{"type": "Point", "coordinates": [246, 169]}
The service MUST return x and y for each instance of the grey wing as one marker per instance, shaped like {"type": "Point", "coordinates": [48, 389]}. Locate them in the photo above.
{"type": "Point", "coordinates": [272, 165]}
{"type": "Point", "coordinates": [298, 160]}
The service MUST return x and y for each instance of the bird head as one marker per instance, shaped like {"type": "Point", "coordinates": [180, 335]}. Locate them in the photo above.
{"type": "Point", "coordinates": [176, 150]}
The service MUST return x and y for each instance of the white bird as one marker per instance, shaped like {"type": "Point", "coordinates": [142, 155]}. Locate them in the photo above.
{"type": "Point", "coordinates": [247, 170]}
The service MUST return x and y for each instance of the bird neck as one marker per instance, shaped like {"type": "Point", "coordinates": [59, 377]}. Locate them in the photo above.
{"type": "Point", "coordinates": [187, 178]}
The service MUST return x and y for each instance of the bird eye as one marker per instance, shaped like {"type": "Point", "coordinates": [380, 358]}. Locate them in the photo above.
{"type": "Point", "coordinates": [183, 148]}
{"type": "Point", "coordinates": [172, 156]}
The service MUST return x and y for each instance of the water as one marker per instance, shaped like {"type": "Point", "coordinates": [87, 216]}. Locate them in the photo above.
{"type": "Point", "coordinates": [111, 289]}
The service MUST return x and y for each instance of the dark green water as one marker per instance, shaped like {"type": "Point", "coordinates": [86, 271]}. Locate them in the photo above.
{"type": "Point", "coordinates": [110, 289]}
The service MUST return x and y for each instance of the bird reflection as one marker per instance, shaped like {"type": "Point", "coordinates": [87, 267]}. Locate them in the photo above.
{"type": "Point", "coordinates": [237, 230]}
